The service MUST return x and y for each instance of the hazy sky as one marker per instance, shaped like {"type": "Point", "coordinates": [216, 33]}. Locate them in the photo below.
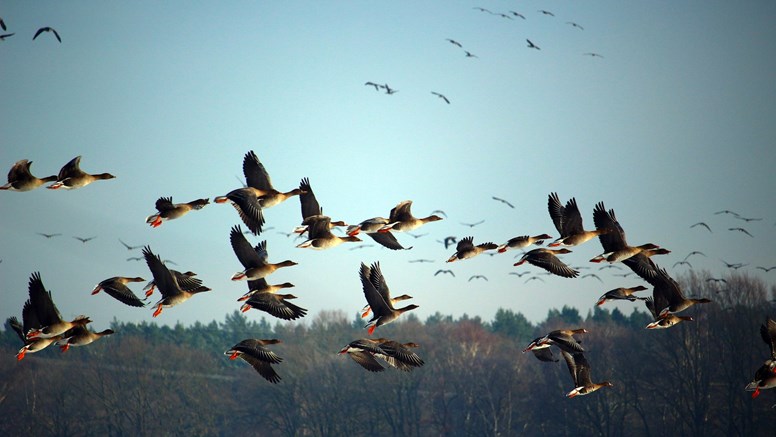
{"type": "Point", "coordinates": [675, 122]}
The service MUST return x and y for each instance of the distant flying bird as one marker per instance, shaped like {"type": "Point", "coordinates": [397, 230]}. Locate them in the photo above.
{"type": "Point", "coordinates": [128, 246]}
{"type": "Point", "coordinates": [679, 263]}
{"type": "Point", "coordinates": [610, 266]}
{"type": "Point", "coordinates": [593, 55]}
{"type": "Point", "coordinates": [454, 42]}
{"type": "Point", "coordinates": [477, 277]}
{"type": "Point", "coordinates": [741, 230]}
{"type": "Point", "coordinates": [482, 9]}
{"type": "Point", "coordinates": [533, 278]}
{"type": "Point", "coordinates": [389, 90]}
{"type": "Point", "coordinates": [421, 260]}
{"type": "Point", "coordinates": [727, 211]}
{"type": "Point", "coordinates": [694, 252]}
{"type": "Point", "coordinates": [504, 202]}
{"type": "Point", "coordinates": [2, 25]}
{"type": "Point", "coordinates": [84, 240]}
{"type": "Point", "coordinates": [591, 275]}
{"type": "Point", "coordinates": [748, 219]}
{"type": "Point", "coordinates": [518, 274]}
{"type": "Point", "coordinates": [47, 29]}
{"type": "Point", "coordinates": [702, 224]}
{"type": "Point", "coordinates": [449, 241]}
{"type": "Point", "coordinates": [361, 246]}
{"type": "Point", "coordinates": [416, 236]}
{"type": "Point", "coordinates": [447, 271]}
{"type": "Point", "coordinates": [470, 54]}
{"type": "Point", "coordinates": [439, 211]}
{"type": "Point", "coordinates": [135, 258]}
{"type": "Point", "coordinates": [471, 225]}
{"type": "Point", "coordinates": [48, 235]}
{"type": "Point", "coordinates": [531, 45]}
{"type": "Point", "coordinates": [575, 25]}
{"type": "Point", "coordinates": [442, 96]}
{"type": "Point", "coordinates": [517, 14]}
{"type": "Point", "coordinates": [766, 270]}
{"type": "Point", "coordinates": [6, 35]}
{"type": "Point", "coordinates": [546, 12]}
{"type": "Point", "coordinates": [377, 87]}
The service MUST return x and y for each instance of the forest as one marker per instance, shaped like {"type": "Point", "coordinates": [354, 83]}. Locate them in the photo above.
{"type": "Point", "coordinates": [148, 379]}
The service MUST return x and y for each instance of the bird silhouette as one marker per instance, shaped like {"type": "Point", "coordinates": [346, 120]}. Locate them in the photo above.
{"type": "Point", "coordinates": [701, 224]}
{"type": "Point", "coordinates": [454, 42]}
{"type": "Point", "coordinates": [47, 29]}
{"type": "Point", "coordinates": [441, 96]}
{"type": "Point", "coordinates": [531, 45]}
{"type": "Point", "coordinates": [503, 201]}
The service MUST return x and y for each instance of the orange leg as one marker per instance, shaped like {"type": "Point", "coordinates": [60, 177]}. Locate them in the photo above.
{"type": "Point", "coordinates": [158, 310]}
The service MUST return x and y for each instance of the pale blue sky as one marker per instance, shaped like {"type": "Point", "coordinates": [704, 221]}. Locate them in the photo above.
{"type": "Point", "coordinates": [674, 123]}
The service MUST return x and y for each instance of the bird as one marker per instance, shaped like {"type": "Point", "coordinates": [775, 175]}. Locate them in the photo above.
{"type": "Point", "coordinates": [367, 310]}
{"type": "Point", "coordinates": [311, 207]}
{"type": "Point", "coordinates": [518, 274]}
{"type": "Point", "coordinates": [466, 249]}
{"type": "Point", "coordinates": [275, 304]}
{"type": "Point", "coordinates": [449, 241]}
{"type": "Point", "coordinates": [378, 297]}
{"type": "Point", "coordinates": [371, 227]}
{"type": "Point", "coordinates": [472, 277]}
{"type": "Point", "coordinates": [765, 375]}
{"type": "Point", "coordinates": [389, 90]}
{"type": "Point", "coordinates": [522, 242]}
{"type": "Point", "coordinates": [377, 87]}
{"type": "Point", "coordinates": [734, 266]}
{"type": "Point", "coordinates": [48, 235]}
{"type": "Point", "coordinates": [568, 222]}
{"type": "Point", "coordinates": [546, 12]}
{"type": "Point", "coordinates": [591, 275]}
{"type": "Point", "coordinates": [440, 212]}
{"type": "Point", "coordinates": [454, 42]}
{"type": "Point", "coordinates": [186, 281]}
{"type": "Point", "coordinates": [319, 235]}
{"type": "Point", "coordinates": [253, 259]}
{"type": "Point", "coordinates": [563, 339]}
{"type": "Point", "coordinates": [167, 283]}
{"type": "Point", "coordinates": [71, 176]}
{"type": "Point", "coordinates": [573, 24]}
{"type": "Point", "coordinates": [622, 293]}
{"type": "Point", "coordinates": [416, 236]}
{"type": "Point", "coordinates": [702, 224]}
{"type": "Point", "coordinates": [254, 352]}
{"type": "Point", "coordinates": [46, 29]}
{"type": "Point", "coordinates": [401, 218]}
{"type": "Point", "coordinates": [84, 239]}
{"type": "Point", "coordinates": [471, 225]}
{"type": "Point", "coordinates": [531, 45]}
{"type": "Point", "coordinates": [517, 14]}
{"type": "Point", "coordinates": [128, 246]}
{"type": "Point", "coordinates": [21, 179]}
{"type": "Point", "coordinates": [593, 55]}
{"type": "Point", "coordinates": [694, 252]}
{"type": "Point", "coordinates": [683, 262]}
{"type": "Point", "coordinates": [727, 211]}
{"type": "Point", "coordinates": [445, 271]}
{"type": "Point", "coordinates": [38, 312]}
{"type": "Point", "coordinates": [246, 199]}
{"type": "Point", "coordinates": [135, 258]}
{"type": "Point", "coordinates": [6, 35]}
{"type": "Point", "coordinates": [80, 336]}
{"type": "Point", "coordinates": [364, 352]}
{"type": "Point", "coordinates": [442, 96]}
{"type": "Point", "coordinates": [116, 287]}
{"type": "Point", "coordinates": [668, 296]}
{"type": "Point", "coordinates": [766, 269]}
{"type": "Point", "coordinates": [421, 260]}
{"type": "Point", "coordinates": [616, 248]}
{"type": "Point", "coordinates": [741, 230]}
{"type": "Point", "coordinates": [481, 9]}
{"type": "Point", "coordinates": [169, 211]}
{"type": "Point", "coordinates": [503, 201]}
{"type": "Point", "coordinates": [749, 219]}
{"type": "Point", "coordinates": [580, 372]}
{"type": "Point", "coordinates": [50, 320]}
{"type": "Point", "coordinates": [533, 278]}
{"type": "Point", "coordinates": [546, 259]}
{"type": "Point", "coordinates": [468, 55]}
{"type": "Point", "coordinates": [664, 321]}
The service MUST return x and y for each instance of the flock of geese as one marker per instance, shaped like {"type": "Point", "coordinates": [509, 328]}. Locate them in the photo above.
{"type": "Point", "coordinates": [43, 325]}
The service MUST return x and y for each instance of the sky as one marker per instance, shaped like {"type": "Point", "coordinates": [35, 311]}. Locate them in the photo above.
{"type": "Point", "coordinates": [673, 123]}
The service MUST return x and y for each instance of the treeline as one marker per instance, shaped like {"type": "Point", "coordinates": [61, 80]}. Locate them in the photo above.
{"type": "Point", "coordinates": [158, 380]}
